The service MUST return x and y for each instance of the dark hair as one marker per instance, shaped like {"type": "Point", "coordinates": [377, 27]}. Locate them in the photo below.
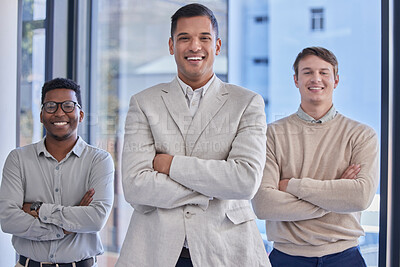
{"type": "Point", "coordinates": [60, 83]}
{"type": "Point", "coordinates": [320, 52]}
{"type": "Point", "coordinates": [193, 10]}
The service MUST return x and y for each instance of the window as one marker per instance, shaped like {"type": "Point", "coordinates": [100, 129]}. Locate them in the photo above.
{"type": "Point", "coordinates": [317, 19]}
{"type": "Point", "coordinates": [32, 69]}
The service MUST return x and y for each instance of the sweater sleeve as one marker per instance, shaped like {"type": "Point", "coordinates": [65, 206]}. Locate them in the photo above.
{"type": "Point", "coordinates": [345, 195]}
{"type": "Point", "coordinates": [274, 205]}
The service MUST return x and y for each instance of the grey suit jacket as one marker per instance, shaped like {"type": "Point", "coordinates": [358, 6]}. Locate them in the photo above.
{"type": "Point", "coordinates": [219, 156]}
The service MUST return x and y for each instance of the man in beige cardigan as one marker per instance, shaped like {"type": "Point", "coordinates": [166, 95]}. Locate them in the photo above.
{"type": "Point", "coordinates": [321, 172]}
{"type": "Point", "coordinates": [194, 153]}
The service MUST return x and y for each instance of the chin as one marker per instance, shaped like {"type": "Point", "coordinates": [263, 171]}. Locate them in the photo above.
{"type": "Point", "coordinates": [62, 137]}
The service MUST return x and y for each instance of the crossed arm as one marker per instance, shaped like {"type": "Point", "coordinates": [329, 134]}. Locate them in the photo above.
{"type": "Point", "coordinates": [294, 199]}
{"type": "Point", "coordinates": [169, 181]}
{"type": "Point", "coordinates": [350, 173]}
{"type": "Point", "coordinates": [54, 220]}
{"type": "Point", "coordinates": [85, 201]}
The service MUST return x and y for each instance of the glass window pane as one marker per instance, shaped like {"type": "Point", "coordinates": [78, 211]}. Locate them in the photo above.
{"type": "Point", "coordinates": [32, 70]}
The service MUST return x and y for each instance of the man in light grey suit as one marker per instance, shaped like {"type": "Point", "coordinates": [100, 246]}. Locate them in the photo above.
{"type": "Point", "coordinates": [194, 153]}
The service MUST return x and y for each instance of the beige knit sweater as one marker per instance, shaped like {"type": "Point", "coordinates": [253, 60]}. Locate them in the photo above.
{"type": "Point", "coordinates": [320, 213]}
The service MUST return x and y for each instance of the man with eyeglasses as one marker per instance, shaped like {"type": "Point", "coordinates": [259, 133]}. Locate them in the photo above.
{"type": "Point", "coordinates": [57, 194]}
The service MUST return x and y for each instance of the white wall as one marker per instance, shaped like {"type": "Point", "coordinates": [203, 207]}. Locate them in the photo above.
{"type": "Point", "coordinates": [8, 97]}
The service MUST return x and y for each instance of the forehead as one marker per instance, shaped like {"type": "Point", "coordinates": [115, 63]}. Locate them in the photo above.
{"type": "Point", "coordinates": [59, 95]}
{"type": "Point", "coordinates": [192, 25]}
{"type": "Point", "coordinates": [314, 62]}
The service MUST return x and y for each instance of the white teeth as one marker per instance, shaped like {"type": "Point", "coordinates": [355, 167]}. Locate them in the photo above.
{"type": "Point", "coordinates": [315, 88]}
{"type": "Point", "coordinates": [194, 58]}
{"type": "Point", "coordinates": [60, 123]}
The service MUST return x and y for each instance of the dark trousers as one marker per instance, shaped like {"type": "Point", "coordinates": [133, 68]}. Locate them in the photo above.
{"type": "Point", "coordinates": [349, 258]}
{"type": "Point", "coordinates": [184, 262]}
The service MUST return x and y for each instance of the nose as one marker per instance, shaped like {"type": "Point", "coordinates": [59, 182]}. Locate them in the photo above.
{"type": "Point", "coordinates": [59, 111]}
{"type": "Point", "coordinates": [316, 77]}
{"type": "Point", "coordinates": [195, 45]}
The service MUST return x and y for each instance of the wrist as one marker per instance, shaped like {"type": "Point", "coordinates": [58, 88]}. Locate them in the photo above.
{"type": "Point", "coordinates": [35, 206]}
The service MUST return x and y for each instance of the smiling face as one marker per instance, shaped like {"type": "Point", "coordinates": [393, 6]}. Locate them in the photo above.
{"type": "Point", "coordinates": [316, 81]}
{"type": "Point", "coordinates": [61, 126]}
{"type": "Point", "coordinates": [194, 46]}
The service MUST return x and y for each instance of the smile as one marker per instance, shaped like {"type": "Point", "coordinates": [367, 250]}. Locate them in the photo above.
{"type": "Point", "coordinates": [60, 123]}
{"type": "Point", "coordinates": [195, 58]}
{"type": "Point", "coordinates": [315, 88]}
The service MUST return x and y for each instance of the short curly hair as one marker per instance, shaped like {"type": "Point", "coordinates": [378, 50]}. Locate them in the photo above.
{"type": "Point", "coordinates": [61, 83]}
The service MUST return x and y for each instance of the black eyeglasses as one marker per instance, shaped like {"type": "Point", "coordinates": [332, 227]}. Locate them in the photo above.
{"type": "Point", "coordinates": [67, 106]}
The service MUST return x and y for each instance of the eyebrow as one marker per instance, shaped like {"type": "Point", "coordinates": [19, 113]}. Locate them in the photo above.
{"type": "Point", "coordinates": [307, 68]}
{"type": "Point", "coordinates": [185, 33]}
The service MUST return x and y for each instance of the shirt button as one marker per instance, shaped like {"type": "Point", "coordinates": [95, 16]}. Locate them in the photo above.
{"type": "Point", "coordinates": [45, 218]}
{"type": "Point", "coordinates": [62, 225]}
{"type": "Point", "coordinates": [57, 168]}
{"type": "Point", "coordinates": [188, 215]}
{"type": "Point", "coordinates": [56, 189]}
{"type": "Point", "coordinates": [58, 235]}
{"type": "Point", "coordinates": [51, 256]}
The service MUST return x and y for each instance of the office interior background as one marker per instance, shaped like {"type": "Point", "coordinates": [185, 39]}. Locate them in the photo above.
{"type": "Point", "coordinates": [116, 48]}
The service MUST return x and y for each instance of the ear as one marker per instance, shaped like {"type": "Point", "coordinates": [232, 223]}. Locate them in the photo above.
{"type": "Point", "coordinates": [171, 46]}
{"type": "Point", "coordinates": [218, 44]}
{"type": "Point", "coordinates": [295, 80]}
{"type": "Point", "coordinates": [336, 81]}
{"type": "Point", "coordinates": [81, 115]}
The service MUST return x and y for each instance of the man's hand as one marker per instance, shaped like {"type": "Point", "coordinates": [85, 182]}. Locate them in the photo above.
{"type": "Point", "coordinates": [26, 207]}
{"type": "Point", "coordinates": [87, 198]}
{"type": "Point", "coordinates": [162, 163]}
{"type": "Point", "coordinates": [351, 172]}
{"type": "Point", "coordinates": [85, 201]}
{"type": "Point", "coordinates": [283, 184]}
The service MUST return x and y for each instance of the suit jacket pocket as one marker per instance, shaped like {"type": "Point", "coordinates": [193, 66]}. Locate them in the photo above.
{"type": "Point", "coordinates": [241, 214]}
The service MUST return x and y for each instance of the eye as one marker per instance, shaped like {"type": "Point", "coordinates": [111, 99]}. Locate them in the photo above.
{"type": "Point", "coordinates": [50, 105]}
{"type": "Point", "coordinates": [68, 105]}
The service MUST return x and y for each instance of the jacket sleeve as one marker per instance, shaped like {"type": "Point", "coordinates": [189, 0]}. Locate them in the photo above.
{"type": "Point", "coordinates": [274, 205]}
{"type": "Point", "coordinates": [237, 177]}
{"type": "Point", "coordinates": [143, 187]}
{"type": "Point", "coordinates": [86, 219]}
{"type": "Point", "coordinates": [345, 195]}
{"type": "Point", "coordinates": [13, 219]}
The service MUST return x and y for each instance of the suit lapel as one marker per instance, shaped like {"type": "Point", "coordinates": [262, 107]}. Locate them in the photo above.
{"type": "Point", "coordinates": [212, 102]}
{"type": "Point", "coordinates": [175, 101]}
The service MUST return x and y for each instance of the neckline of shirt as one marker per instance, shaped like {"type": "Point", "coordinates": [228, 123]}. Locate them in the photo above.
{"type": "Point", "coordinates": [203, 89]}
